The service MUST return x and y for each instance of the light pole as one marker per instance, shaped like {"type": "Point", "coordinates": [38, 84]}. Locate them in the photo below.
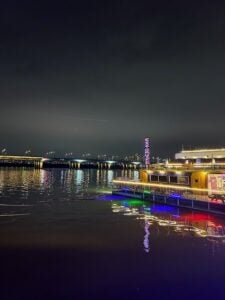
{"type": "Point", "coordinates": [4, 151]}
{"type": "Point", "coordinates": [50, 153]}
{"type": "Point", "coordinates": [27, 152]}
{"type": "Point", "coordinates": [69, 154]}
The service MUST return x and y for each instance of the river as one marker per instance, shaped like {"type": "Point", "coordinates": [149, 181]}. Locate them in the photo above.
{"type": "Point", "coordinates": [64, 236]}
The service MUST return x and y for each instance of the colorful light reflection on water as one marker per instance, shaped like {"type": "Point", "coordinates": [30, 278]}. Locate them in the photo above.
{"type": "Point", "coordinates": [178, 220]}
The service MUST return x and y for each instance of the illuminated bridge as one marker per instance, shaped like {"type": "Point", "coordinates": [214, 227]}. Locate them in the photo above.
{"type": "Point", "coordinates": [75, 163]}
{"type": "Point", "coordinates": [20, 160]}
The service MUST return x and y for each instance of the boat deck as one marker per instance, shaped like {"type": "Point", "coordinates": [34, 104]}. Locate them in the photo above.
{"type": "Point", "coordinates": [181, 198]}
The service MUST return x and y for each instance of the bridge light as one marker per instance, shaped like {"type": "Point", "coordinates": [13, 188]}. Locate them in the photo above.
{"type": "Point", "coordinates": [79, 160]}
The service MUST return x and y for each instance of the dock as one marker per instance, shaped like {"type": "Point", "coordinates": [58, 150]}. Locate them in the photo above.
{"type": "Point", "coordinates": [138, 190]}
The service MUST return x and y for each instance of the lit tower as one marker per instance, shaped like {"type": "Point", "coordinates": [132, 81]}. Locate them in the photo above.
{"type": "Point", "coordinates": [147, 152]}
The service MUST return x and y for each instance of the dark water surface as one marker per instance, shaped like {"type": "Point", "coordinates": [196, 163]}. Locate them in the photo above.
{"type": "Point", "coordinates": [64, 236]}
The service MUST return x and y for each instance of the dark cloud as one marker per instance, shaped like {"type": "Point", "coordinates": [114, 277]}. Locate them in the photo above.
{"type": "Point", "coordinates": [98, 76]}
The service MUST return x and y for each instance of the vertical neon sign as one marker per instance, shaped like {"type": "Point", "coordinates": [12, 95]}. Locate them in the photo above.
{"type": "Point", "coordinates": [147, 151]}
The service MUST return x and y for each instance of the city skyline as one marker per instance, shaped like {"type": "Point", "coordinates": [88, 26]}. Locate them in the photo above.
{"type": "Point", "coordinates": [128, 156]}
{"type": "Point", "coordinates": [138, 156]}
{"type": "Point", "coordinates": [100, 76]}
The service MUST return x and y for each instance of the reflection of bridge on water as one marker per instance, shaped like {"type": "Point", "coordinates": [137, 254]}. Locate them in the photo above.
{"type": "Point", "coordinates": [73, 163]}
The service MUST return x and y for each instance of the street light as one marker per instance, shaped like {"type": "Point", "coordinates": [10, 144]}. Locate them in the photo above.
{"type": "Point", "coordinates": [50, 153]}
{"type": "Point", "coordinates": [68, 154]}
{"type": "Point", "coordinates": [4, 151]}
{"type": "Point", "coordinates": [27, 152]}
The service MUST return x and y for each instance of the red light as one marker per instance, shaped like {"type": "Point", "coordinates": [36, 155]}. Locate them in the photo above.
{"type": "Point", "coordinates": [197, 217]}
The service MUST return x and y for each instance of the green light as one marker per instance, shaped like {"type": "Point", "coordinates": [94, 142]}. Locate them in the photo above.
{"type": "Point", "coordinates": [135, 202]}
{"type": "Point", "coordinates": [147, 192]}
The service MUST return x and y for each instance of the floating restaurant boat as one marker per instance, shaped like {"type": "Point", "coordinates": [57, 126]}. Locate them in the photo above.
{"type": "Point", "coordinates": [196, 189]}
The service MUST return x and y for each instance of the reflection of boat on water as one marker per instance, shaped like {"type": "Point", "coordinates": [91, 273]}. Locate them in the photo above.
{"type": "Point", "coordinates": [199, 225]}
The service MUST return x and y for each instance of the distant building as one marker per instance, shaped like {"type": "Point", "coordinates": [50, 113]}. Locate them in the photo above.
{"type": "Point", "coordinates": [202, 157]}
{"type": "Point", "coordinates": [201, 154]}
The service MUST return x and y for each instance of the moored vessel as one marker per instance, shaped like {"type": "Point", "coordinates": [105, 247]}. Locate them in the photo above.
{"type": "Point", "coordinates": [201, 189]}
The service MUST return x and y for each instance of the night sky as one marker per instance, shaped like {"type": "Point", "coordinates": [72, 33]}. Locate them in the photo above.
{"type": "Point", "coordinates": [99, 76]}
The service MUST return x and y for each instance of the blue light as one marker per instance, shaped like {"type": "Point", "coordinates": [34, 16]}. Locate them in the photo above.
{"type": "Point", "coordinates": [147, 208]}
{"type": "Point", "coordinates": [126, 189]}
{"type": "Point", "coordinates": [175, 195]}
{"type": "Point", "coordinates": [110, 197]}
{"type": "Point", "coordinates": [163, 209]}
{"type": "Point", "coordinates": [125, 203]}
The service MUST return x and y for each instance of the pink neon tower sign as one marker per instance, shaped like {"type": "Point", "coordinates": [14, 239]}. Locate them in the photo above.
{"type": "Point", "coordinates": [147, 151]}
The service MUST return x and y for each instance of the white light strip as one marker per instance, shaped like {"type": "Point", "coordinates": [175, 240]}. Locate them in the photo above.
{"type": "Point", "coordinates": [165, 186]}
{"type": "Point", "coordinates": [19, 157]}
{"type": "Point", "coordinates": [202, 150]}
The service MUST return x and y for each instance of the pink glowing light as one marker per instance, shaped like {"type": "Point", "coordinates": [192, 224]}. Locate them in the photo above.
{"type": "Point", "coordinates": [147, 151]}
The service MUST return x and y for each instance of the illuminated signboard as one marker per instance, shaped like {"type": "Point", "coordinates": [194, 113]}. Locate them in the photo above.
{"type": "Point", "coordinates": [216, 183]}
{"type": "Point", "coordinates": [147, 151]}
